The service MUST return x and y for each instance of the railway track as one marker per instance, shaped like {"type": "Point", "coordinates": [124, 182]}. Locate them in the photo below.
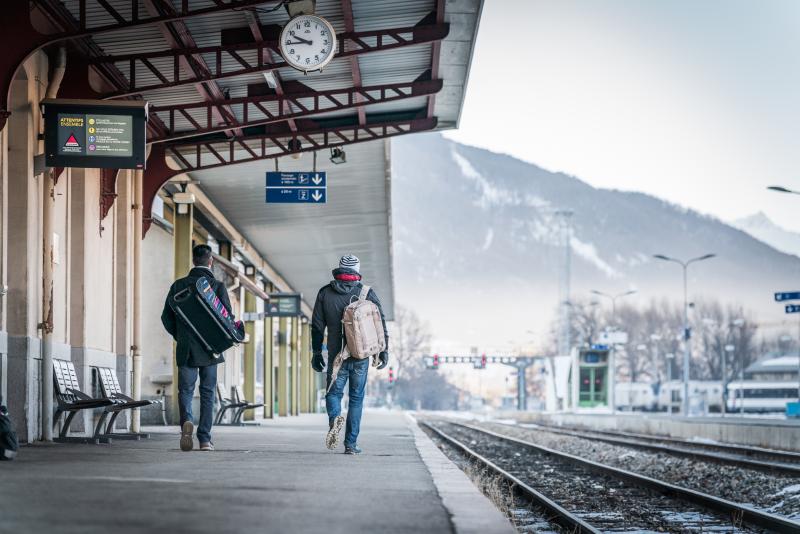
{"type": "Point", "coordinates": [580, 495]}
{"type": "Point", "coordinates": [769, 460]}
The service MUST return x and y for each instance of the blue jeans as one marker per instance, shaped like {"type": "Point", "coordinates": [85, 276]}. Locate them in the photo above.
{"type": "Point", "coordinates": [356, 372]}
{"type": "Point", "coordinates": [187, 377]}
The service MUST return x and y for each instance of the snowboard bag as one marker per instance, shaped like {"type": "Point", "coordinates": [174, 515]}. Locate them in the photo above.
{"type": "Point", "coordinates": [201, 311]}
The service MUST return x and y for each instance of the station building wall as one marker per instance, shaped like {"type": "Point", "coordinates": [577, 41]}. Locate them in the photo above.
{"type": "Point", "coordinates": [92, 275]}
{"type": "Point", "coordinates": [91, 257]}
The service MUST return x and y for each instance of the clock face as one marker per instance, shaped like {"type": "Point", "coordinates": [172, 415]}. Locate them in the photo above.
{"type": "Point", "coordinates": [308, 42]}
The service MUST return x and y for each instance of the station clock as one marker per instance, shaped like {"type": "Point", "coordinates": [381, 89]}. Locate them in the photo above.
{"type": "Point", "coordinates": [308, 42]}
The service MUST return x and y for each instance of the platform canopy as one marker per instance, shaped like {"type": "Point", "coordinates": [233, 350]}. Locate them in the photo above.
{"type": "Point", "coordinates": [225, 106]}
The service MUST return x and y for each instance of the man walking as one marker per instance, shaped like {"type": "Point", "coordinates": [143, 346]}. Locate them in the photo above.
{"type": "Point", "coordinates": [332, 299]}
{"type": "Point", "coordinates": [192, 358]}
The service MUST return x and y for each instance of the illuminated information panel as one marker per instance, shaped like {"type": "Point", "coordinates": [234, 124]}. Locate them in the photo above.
{"type": "Point", "coordinates": [95, 134]}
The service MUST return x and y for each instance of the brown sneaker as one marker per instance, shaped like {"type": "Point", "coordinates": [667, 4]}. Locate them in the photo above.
{"type": "Point", "coordinates": [187, 441]}
{"type": "Point", "coordinates": [207, 446]}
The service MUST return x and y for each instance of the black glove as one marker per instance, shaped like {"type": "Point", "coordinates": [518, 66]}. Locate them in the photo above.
{"type": "Point", "coordinates": [383, 358]}
{"type": "Point", "coordinates": [317, 363]}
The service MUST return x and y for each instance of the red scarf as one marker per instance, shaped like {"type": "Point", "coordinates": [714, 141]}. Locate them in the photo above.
{"type": "Point", "coordinates": [346, 277]}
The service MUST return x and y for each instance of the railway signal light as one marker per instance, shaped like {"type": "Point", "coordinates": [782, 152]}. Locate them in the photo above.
{"type": "Point", "coordinates": [435, 361]}
{"type": "Point", "coordinates": [483, 361]}
{"type": "Point", "coordinates": [391, 376]}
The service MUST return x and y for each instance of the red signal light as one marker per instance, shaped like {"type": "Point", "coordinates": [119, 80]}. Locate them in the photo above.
{"type": "Point", "coordinates": [483, 361]}
{"type": "Point", "coordinates": [435, 361]}
{"type": "Point", "coordinates": [391, 375]}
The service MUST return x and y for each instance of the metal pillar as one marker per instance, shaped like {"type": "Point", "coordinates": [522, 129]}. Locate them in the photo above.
{"type": "Point", "coordinates": [295, 367]}
{"type": "Point", "coordinates": [182, 251]}
{"type": "Point", "coordinates": [250, 306]}
{"type": "Point", "coordinates": [564, 341]}
{"type": "Point", "coordinates": [269, 392]}
{"type": "Point", "coordinates": [283, 374]}
{"type": "Point", "coordinates": [305, 370]}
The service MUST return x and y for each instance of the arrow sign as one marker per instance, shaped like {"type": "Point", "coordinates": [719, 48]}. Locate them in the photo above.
{"type": "Point", "coordinates": [297, 187]}
{"type": "Point", "coordinates": [789, 295]}
{"type": "Point", "coordinates": [793, 308]}
{"type": "Point", "coordinates": [297, 179]}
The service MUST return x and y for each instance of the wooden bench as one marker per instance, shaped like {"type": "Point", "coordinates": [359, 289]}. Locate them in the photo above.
{"type": "Point", "coordinates": [110, 389]}
{"type": "Point", "coordinates": [72, 400]}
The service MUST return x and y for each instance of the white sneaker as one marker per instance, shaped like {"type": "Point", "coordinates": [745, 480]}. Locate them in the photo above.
{"type": "Point", "coordinates": [187, 440]}
{"type": "Point", "coordinates": [332, 439]}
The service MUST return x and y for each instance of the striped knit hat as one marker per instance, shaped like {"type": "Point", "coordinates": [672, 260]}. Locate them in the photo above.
{"type": "Point", "coordinates": [350, 262]}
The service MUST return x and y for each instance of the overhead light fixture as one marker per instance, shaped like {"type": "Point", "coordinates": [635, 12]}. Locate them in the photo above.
{"type": "Point", "coordinates": [182, 200]}
{"type": "Point", "coordinates": [249, 270]}
{"type": "Point", "coordinates": [269, 77]}
{"type": "Point", "coordinates": [338, 156]}
{"type": "Point", "coordinates": [295, 146]}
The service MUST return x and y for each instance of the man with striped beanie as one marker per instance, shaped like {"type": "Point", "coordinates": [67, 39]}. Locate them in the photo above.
{"type": "Point", "coordinates": [332, 299]}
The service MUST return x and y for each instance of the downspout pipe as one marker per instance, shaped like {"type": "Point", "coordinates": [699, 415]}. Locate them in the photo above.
{"type": "Point", "coordinates": [136, 378]}
{"type": "Point", "coordinates": [48, 208]}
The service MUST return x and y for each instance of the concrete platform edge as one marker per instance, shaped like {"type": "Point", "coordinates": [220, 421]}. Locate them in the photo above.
{"type": "Point", "coordinates": [470, 510]}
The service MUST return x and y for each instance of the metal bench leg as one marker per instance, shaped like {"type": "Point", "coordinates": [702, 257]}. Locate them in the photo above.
{"type": "Point", "coordinates": [121, 435]}
{"type": "Point", "coordinates": [63, 438]}
{"type": "Point", "coordinates": [99, 426]}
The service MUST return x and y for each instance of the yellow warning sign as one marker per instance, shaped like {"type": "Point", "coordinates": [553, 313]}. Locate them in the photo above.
{"type": "Point", "coordinates": [71, 122]}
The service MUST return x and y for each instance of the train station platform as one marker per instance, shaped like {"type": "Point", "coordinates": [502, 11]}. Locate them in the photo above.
{"type": "Point", "coordinates": [771, 433]}
{"type": "Point", "coordinates": [276, 477]}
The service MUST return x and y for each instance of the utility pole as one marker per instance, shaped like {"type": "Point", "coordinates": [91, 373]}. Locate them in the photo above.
{"type": "Point", "coordinates": [565, 274]}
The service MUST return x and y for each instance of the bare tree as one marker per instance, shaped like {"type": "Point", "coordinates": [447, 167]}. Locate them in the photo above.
{"type": "Point", "coordinates": [409, 338]}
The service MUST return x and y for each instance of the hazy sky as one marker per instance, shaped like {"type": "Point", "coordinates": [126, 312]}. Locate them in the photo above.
{"type": "Point", "coordinates": [694, 101]}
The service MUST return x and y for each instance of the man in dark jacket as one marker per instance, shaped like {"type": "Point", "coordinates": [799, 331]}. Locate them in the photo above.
{"type": "Point", "coordinates": [332, 299]}
{"type": "Point", "coordinates": [191, 357]}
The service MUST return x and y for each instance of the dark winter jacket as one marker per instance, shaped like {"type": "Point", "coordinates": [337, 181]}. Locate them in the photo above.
{"type": "Point", "coordinates": [189, 351]}
{"type": "Point", "coordinates": [332, 299]}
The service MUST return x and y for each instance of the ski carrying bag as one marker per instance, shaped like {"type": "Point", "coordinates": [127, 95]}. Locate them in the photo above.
{"type": "Point", "coordinates": [201, 311]}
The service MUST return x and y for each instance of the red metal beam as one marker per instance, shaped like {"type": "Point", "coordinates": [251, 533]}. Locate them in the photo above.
{"type": "Point", "coordinates": [178, 36]}
{"type": "Point", "coordinates": [255, 28]}
{"type": "Point", "coordinates": [21, 38]}
{"type": "Point", "coordinates": [255, 111]}
{"type": "Point", "coordinates": [353, 44]}
{"type": "Point", "coordinates": [269, 146]}
{"type": "Point", "coordinates": [355, 68]}
{"type": "Point", "coordinates": [436, 54]}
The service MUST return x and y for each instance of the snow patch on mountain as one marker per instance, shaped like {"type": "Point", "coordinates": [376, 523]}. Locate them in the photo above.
{"type": "Point", "coordinates": [588, 252]}
{"type": "Point", "coordinates": [762, 228]}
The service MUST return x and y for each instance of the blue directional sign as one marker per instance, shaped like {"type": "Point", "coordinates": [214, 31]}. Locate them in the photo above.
{"type": "Point", "coordinates": [793, 308]}
{"type": "Point", "coordinates": [788, 295]}
{"type": "Point", "coordinates": [297, 187]}
{"type": "Point", "coordinates": [296, 195]}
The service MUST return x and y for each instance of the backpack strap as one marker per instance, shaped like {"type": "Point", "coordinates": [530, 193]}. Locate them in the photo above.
{"type": "Point", "coordinates": [364, 292]}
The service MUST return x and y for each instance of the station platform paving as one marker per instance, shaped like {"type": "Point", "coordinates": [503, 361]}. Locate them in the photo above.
{"type": "Point", "coordinates": [276, 477]}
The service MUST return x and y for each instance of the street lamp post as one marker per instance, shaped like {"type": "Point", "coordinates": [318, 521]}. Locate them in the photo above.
{"type": "Point", "coordinates": [613, 299]}
{"type": "Point", "coordinates": [669, 357]}
{"type": "Point", "coordinates": [728, 349]}
{"type": "Point", "coordinates": [781, 189]}
{"type": "Point", "coordinates": [687, 351]}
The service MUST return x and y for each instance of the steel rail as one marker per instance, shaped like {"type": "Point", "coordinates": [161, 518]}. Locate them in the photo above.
{"type": "Point", "coordinates": [745, 450]}
{"type": "Point", "coordinates": [561, 516]}
{"type": "Point", "coordinates": [688, 453]}
{"type": "Point", "coordinates": [746, 514]}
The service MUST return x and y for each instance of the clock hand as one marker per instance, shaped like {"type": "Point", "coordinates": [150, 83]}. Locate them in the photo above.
{"type": "Point", "coordinates": [301, 40]}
